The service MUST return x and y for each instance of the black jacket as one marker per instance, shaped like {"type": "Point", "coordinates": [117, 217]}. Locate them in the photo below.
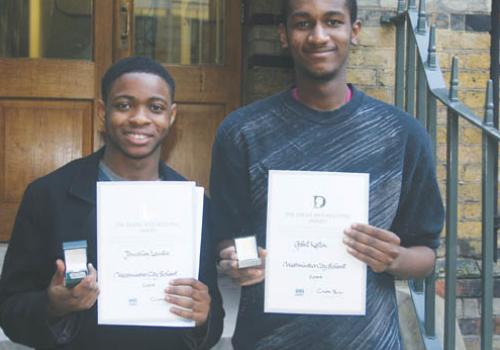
{"type": "Point", "coordinates": [61, 207]}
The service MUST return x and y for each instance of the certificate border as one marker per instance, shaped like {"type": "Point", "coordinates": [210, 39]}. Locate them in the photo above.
{"type": "Point", "coordinates": [313, 311]}
{"type": "Point", "coordinates": [173, 321]}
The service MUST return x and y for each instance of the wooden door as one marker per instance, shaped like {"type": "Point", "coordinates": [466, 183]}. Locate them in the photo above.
{"type": "Point", "coordinates": [52, 54]}
{"type": "Point", "coordinates": [50, 70]}
{"type": "Point", "coordinates": [199, 41]}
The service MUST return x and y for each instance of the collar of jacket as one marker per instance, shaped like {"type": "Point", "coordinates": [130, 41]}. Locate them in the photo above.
{"type": "Point", "coordinates": [84, 185]}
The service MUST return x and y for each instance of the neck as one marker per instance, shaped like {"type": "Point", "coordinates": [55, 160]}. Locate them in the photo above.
{"type": "Point", "coordinates": [146, 169]}
{"type": "Point", "coordinates": [322, 95]}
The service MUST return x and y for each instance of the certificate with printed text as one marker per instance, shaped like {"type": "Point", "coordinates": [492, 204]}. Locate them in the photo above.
{"type": "Point", "coordinates": [147, 234]}
{"type": "Point", "coordinates": [308, 269]}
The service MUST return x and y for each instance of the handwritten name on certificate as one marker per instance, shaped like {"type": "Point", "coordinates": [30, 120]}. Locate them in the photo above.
{"type": "Point", "coordinates": [308, 269]}
{"type": "Point", "coordinates": [147, 234]}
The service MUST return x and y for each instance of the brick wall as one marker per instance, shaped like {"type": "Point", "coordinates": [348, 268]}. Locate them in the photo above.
{"type": "Point", "coordinates": [463, 31]}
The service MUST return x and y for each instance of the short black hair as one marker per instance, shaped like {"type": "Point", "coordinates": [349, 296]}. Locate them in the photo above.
{"type": "Point", "coordinates": [135, 64]}
{"type": "Point", "coordinates": [352, 5]}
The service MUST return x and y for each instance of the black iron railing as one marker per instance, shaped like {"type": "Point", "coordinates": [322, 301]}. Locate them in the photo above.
{"type": "Point", "coordinates": [420, 86]}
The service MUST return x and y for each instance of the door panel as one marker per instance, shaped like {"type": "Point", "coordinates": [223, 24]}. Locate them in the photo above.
{"type": "Point", "coordinates": [206, 84]}
{"type": "Point", "coordinates": [39, 136]}
{"type": "Point", "coordinates": [193, 134]}
{"type": "Point", "coordinates": [47, 78]}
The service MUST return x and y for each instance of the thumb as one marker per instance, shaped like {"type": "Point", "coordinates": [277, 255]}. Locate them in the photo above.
{"type": "Point", "coordinates": [263, 255]}
{"type": "Point", "coordinates": [262, 252]}
{"type": "Point", "coordinates": [92, 271]}
{"type": "Point", "coordinates": [58, 277]}
{"type": "Point", "coordinates": [228, 253]}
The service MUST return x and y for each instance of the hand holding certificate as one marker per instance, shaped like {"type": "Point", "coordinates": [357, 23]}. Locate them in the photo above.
{"type": "Point", "coordinates": [149, 233]}
{"type": "Point", "coordinates": [308, 268]}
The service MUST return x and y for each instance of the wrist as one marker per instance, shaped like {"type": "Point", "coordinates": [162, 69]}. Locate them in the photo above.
{"type": "Point", "coordinates": [54, 311]}
{"type": "Point", "coordinates": [413, 262]}
{"type": "Point", "coordinates": [396, 268]}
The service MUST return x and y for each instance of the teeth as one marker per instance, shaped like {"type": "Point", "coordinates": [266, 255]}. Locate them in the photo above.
{"type": "Point", "coordinates": [138, 136]}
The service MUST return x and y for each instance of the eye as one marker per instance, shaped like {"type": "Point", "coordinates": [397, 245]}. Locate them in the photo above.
{"type": "Point", "coordinates": [157, 107]}
{"type": "Point", "coordinates": [302, 24]}
{"type": "Point", "coordinates": [333, 22]}
{"type": "Point", "coordinates": [122, 106]}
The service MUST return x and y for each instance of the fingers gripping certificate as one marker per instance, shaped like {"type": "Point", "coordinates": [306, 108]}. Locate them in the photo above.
{"type": "Point", "coordinates": [147, 234]}
{"type": "Point", "coordinates": [308, 269]}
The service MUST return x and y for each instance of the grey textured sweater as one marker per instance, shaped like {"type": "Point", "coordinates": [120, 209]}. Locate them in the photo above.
{"type": "Point", "coordinates": [364, 135]}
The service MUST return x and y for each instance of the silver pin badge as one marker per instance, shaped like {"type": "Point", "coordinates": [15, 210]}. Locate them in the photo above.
{"type": "Point", "coordinates": [248, 254]}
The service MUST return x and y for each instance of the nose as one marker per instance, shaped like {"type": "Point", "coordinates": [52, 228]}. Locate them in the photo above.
{"type": "Point", "coordinates": [318, 36]}
{"type": "Point", "coordinates": [140, 117]}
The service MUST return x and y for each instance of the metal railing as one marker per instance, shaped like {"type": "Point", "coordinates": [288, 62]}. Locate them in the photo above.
{"type": "Point", "coordinates": [419, 87]}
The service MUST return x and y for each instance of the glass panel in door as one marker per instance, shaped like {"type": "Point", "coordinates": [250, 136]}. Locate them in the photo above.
{"type": "Point", "coordinates": [186, 32]}
{"type": "Point", "coordinates": [46, 29]}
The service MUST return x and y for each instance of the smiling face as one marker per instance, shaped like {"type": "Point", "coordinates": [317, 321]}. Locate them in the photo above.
{"type": "Point", "coordinates": [137, 117]}
{"type": "Point", "coordinates": [318, 34]}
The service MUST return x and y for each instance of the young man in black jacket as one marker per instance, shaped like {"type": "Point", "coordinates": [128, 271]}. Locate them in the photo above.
{"type": "Point", "coordinates": [36, 308]}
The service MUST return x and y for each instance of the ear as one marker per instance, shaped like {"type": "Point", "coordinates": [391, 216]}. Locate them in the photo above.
{"type": "Point", "coordinates": [101, 113]}
{"type": "Point", "coordinates": [356, 30]}
{"type": "Point", "coordinates": [283, 36]}
{"type": "Point", "coordinates": [173, 114]}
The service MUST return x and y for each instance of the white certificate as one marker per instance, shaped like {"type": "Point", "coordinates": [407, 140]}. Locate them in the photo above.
{"type": "Point", "coordinates": [147, 234]}
{"type": "Point", "coordinates": [308, 269]}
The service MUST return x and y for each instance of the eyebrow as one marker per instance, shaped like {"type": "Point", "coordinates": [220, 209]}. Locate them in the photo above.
{"type": "Point", "coordinates": [122, 96]}
{"type": "Point", "coordinates": [307, 14]}
{"type": "Point", "coordinates": [129, 97]}
{"type": "Point", "coordinates": [161, 98]}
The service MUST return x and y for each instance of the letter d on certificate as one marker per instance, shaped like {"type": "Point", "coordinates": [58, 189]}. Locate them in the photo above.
{"type": "Point", "coordinates": [308, 269]}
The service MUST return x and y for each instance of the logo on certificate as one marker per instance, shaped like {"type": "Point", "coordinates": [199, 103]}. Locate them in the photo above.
{"type": "Point", "coordinates": [299, 292]}
{"type": "Point", "coordinates": [319, 202]}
